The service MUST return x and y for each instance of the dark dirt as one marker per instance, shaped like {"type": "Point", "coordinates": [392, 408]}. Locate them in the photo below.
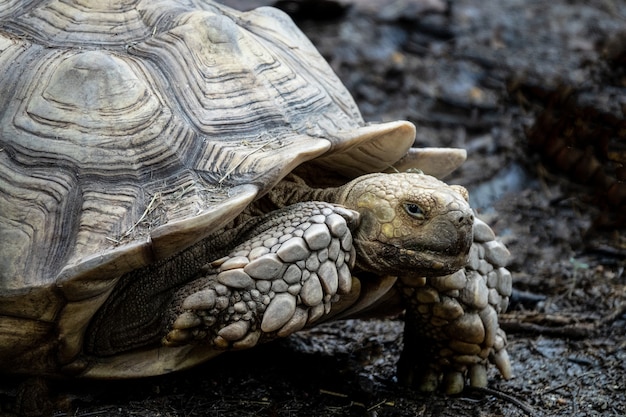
{"type": "Point", "coordinates": [514, 82]}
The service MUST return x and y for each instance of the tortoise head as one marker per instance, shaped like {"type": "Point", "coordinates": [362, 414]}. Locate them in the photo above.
{"type": "Point", "coordinates": [411, 224]}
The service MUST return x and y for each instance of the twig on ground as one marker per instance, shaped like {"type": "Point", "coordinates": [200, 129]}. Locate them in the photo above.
{"type": "Point", "coordinates": [506, 397]}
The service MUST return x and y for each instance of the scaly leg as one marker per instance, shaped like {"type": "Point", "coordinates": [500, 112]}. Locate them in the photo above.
{"type": "Point", "coordinates": [451, 327]}
{"type": "Point", "coordinates": [284, 277]}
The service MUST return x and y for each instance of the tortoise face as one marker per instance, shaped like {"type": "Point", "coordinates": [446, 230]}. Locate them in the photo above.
{"type": "Point", "coordinates": [411, 224]}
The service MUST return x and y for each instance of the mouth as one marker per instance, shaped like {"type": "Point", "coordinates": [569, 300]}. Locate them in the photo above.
{"type": "Point", "coordinates": [427, 263]}
{"type": "Point", "coordinates": [390, 259]}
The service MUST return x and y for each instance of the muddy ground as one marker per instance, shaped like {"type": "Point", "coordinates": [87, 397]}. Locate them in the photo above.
{"type": "Point", "coordinates": [536, 92]}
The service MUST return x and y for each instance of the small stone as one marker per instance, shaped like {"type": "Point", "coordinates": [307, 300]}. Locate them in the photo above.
{"type": "Point", "coordinates": [234, 263]}
{"type": "Point", "coordinates": [258, 252]}
{"type": "Point", "coordinates": [201, 300]}
{"type": "Point", "coordinates": [234, 331]}
{"type": "Point", "coordinates": [235, 278]}
{"type": "Point", "coordinates": [296, 323]}
{"type": "Point", "coordinates": [337, 225]}
{"type": "Point", "coordinates": [496, 253]}
{"type": "Point", "coordinates": [322, 255]}
{"type": "Point", "coordinates": [482, 231]}
{"type": "Point", "coordinates": [312, 293]}
{"type": "Point", "coordinates": [344, 279]}
{"type": "Point", "coordinates": [295, 249]}
{"type": "Point", "coordinates": [317, 236]}
{"type": "Point", "coordinates": [278, 312]}
{"type": "Point", "coordinates": [292, 275]}
{"type": "Point", "coordinates": [187, 320]}
{"type": "Point", "coordinates": [267, 267]}
{"type": "Point", "coordinates": [327, 273]}
{"type": "Point", "coordinates": [505, 282]}
{"type": "Point", "coordinates": [475, 293]}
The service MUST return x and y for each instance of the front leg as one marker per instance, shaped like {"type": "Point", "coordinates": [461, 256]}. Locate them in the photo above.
{"type": "Point", "coordinates": [451, 328]}
{"type": "Point", "coordinates": [285, 276]}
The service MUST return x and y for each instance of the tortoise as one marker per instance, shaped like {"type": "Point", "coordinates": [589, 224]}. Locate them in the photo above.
{"type": "Point", "coordinates": [179, 179]}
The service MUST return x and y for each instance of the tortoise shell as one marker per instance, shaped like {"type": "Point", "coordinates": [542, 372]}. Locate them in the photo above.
{"type": "Point", "coordinates": [131, 130]}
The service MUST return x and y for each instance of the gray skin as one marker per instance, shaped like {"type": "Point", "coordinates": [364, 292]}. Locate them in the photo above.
{"type": "Point", "coordinates": [248, 284]}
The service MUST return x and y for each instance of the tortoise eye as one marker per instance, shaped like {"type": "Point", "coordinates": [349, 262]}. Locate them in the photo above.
{"type": "Point", "coordinates": [414, 210]}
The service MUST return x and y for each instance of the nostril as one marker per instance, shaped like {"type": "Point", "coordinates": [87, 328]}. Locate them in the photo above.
{"type": "Point", "coordinates": [467, 219]}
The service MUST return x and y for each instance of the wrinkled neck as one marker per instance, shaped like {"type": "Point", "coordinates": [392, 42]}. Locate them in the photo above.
{"type": "Point", "coordinates": [293, 190]}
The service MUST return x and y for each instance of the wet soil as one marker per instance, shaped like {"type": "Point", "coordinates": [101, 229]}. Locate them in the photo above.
{"type": "Point", "coordinates": [514, 82]}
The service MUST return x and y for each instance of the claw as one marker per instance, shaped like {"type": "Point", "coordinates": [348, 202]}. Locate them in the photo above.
{"type": "Point", "coordinates": [502, 362]}
{"type": "Point", "coordinates": [453, 382]}
{"type": "Point", "coordinates": [429, 381]}
{"type": "Point", "coordinates": [478, 376]}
